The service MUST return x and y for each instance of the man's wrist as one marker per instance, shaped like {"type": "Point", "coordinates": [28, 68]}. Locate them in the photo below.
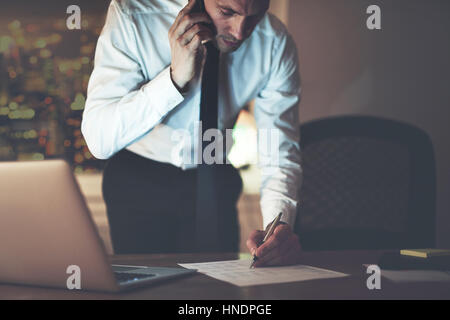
{"type": "Point", "coordinates": [181, 89]}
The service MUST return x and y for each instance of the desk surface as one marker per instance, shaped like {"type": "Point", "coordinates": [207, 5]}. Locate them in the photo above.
{"type": "Point", "coordinates": [202, 287]}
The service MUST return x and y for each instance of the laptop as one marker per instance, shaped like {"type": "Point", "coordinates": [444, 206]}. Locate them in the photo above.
{"type": "Point", "coordinates": [48, 238]}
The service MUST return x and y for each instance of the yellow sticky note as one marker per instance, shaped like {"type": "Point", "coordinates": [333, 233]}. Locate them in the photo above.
{"type": "Point", "coordinates": [425, 253]}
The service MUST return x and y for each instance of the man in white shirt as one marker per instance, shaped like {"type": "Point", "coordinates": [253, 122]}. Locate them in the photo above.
{"type": "Point", "coordinates": [145, 89]}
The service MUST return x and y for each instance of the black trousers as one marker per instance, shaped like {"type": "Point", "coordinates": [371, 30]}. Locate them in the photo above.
{"type": "Point", "coordinates": [151, 205]}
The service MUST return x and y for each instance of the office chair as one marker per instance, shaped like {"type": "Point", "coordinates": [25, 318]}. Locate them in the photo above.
{"type": "Point", "coordinates": [369, 183]}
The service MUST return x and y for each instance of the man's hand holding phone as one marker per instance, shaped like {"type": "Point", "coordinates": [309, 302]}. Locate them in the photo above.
{"type": "Point", "coordinates": [187, 37]}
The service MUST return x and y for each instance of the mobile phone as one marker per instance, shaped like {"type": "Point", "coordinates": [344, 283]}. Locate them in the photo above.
{"type": "Point", "coordinates": [199, 6]}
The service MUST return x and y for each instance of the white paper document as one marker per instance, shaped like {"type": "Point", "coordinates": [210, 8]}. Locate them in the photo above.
{"type": "Point", "coordinates": [237, 272]}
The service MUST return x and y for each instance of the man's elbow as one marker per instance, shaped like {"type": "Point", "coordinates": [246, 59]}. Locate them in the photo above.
{"type": "Point", "coordinates": [99, 154]}
{"type": "Point", "coordinates": [95, 142]}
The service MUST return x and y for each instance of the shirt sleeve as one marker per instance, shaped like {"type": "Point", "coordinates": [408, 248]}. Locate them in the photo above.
{"type": "Point", "coordinates": [121, 104]}
{"type": "Point", "coordinates": [277, 118]}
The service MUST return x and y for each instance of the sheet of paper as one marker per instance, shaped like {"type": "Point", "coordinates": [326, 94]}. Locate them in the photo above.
{"type": "Point", "coordinates": [400, 276]}
{"type": "Point", "coordinates": [237, 272]}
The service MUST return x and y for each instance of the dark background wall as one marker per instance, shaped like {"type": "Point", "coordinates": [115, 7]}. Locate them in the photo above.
{"type": "Point", "coordinates": [400, 72]}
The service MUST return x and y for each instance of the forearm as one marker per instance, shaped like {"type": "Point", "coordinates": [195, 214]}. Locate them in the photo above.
{"type": "Point", "coordinates": [111, 122]}
{"type": "Point", "coordinates": [279, 193]}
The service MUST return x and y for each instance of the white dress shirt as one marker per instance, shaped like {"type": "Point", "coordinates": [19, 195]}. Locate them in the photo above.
{"type": "Point", "coordinates": [132, 102]}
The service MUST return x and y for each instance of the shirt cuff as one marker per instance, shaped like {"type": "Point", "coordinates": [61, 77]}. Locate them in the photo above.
{"type": "Point", "coordinates": [272, 209]}
{"type": "Point", "coordinates": [167, 94]}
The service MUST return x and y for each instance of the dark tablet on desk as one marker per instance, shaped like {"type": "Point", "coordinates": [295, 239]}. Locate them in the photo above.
{"type": "Point", "coordinates": [396, 261]}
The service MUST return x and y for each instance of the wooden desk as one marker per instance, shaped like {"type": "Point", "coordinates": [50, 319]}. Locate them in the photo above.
{"type": "Point", "coordinates": [202, 287]}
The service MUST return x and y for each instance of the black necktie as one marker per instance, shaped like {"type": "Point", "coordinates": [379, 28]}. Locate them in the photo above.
{"type": "Point", "coordinates": [207, 222]}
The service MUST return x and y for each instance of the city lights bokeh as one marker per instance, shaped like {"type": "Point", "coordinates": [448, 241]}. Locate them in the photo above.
{"type": "Point", "coordinates": [44, 73]}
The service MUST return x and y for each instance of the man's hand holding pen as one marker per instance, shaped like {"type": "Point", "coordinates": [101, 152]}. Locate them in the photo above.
{"type": "Point", "coordinates": [280, 248]}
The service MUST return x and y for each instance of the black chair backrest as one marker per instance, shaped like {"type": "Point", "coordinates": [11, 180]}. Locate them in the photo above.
{"type": "Point", "coordinates": [368, 183]}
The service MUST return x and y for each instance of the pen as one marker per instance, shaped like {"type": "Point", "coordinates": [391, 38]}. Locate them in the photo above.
{"type": "Point", "coordinates": [268, 234]}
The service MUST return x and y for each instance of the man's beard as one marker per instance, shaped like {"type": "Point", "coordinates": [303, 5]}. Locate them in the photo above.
{"type": "Point", "coordinates": [227, 44]}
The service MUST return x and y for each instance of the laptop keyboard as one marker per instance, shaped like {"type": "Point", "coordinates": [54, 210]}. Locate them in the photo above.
{"type": "Point", "coordinates": [126, 276]}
